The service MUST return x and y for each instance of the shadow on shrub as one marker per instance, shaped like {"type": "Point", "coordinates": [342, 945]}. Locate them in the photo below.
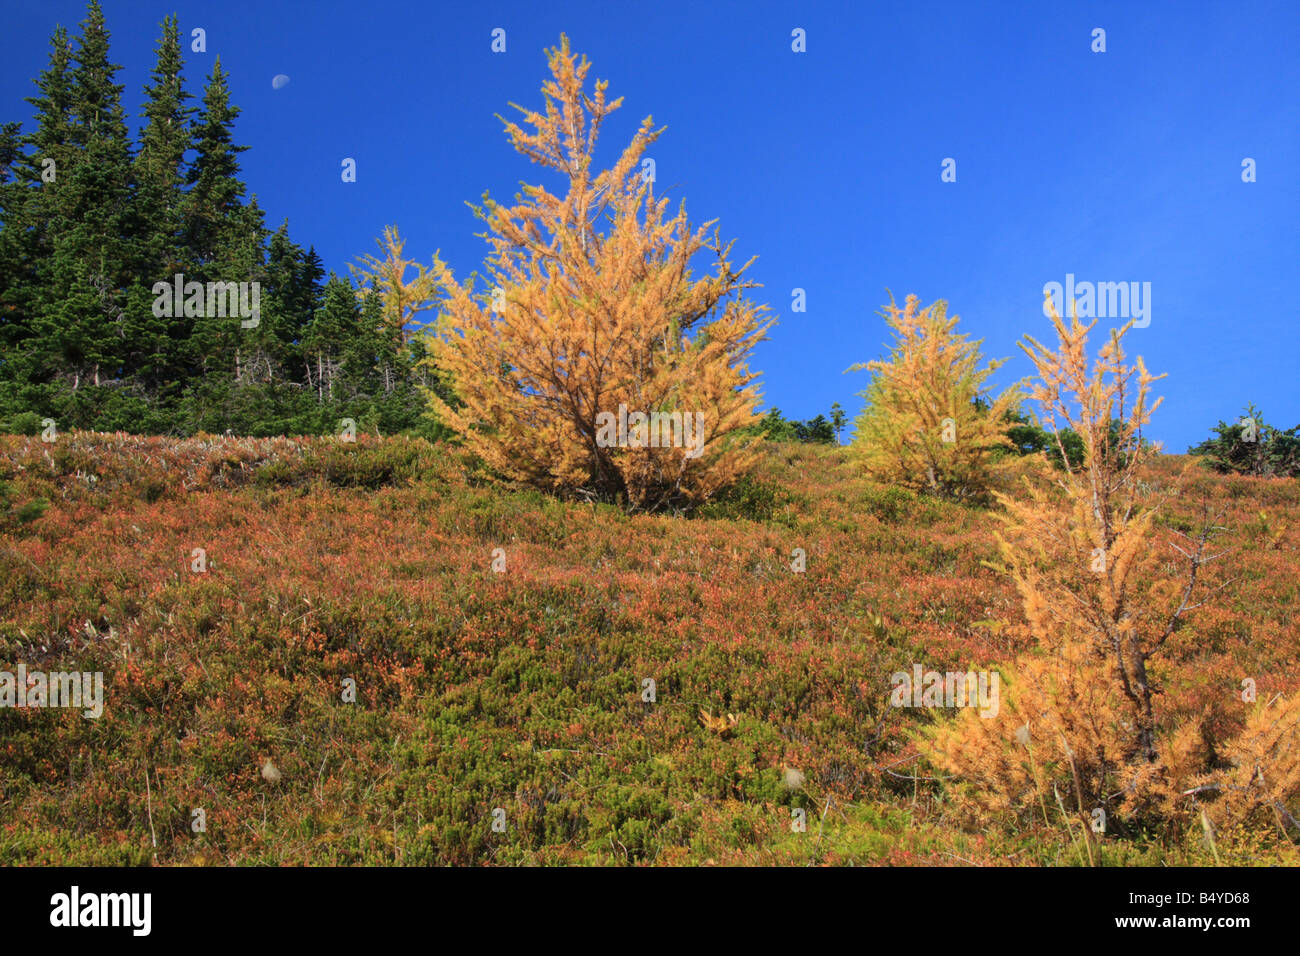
{"type": "Point", "coordinates": [887, 502]}
{"type": "Point", "coordinates": [750, 499]}
{"type": "Point", "coordinates": [347, 465]}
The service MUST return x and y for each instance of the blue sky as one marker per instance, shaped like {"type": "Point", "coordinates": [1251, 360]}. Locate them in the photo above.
{"type": "Point", "coordinates": [1115, 166]}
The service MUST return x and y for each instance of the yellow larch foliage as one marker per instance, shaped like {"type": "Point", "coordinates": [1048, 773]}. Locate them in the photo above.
{"type": "Point", "coordinates": [1083, 726]}
{"type": "Point", "coordinates": [592, 315]}
{"type": "Point", "coordinates": [1264, 775]}
{"type": "Point", "coordinates": [401, 298]}
{"type": "Point", "coordinates": [1074, 546]}
{"type": "Point", "coordinates": [928, 423]}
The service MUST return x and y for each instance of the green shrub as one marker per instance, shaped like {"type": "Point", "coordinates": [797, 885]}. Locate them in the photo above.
{"type": "Point", "coordinates": [23, 423]}
{"type": "Point", "coordinates": [887, 502]}
{"type": "Point", "coordinates": [31, 510]}
{"type": "Point", "coordinates": [749, 498]}
{"type": "Point", "coordinates": [1250, 447]}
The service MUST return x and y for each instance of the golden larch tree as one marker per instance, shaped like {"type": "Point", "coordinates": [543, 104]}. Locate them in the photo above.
{"type": "Point", "coordinates": [594, 362]}
{"type": "Point", "coordinates": [1083, 725]}
{"type": "Point", "coordinates": [929, 423]}
{"type": "Point", "coordinates": [402, 298]}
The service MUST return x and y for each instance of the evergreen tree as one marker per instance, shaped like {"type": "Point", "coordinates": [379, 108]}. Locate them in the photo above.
{"type": "Point", "coordinates": [160, 164]}
{"type": "Point", "coordinates": [10, 150]}
{"type": "Point", "coordinates": [83, 312]}
{"type": "Point", "coordinates": [838, 420]}
{"type": "Point", "coordinates": [13, 195]}
{"type": "Point", "coordinates": [334, 322]}
{"type": "Point", "coordinates": [159, 201]}
{"type": "Point", "coordinates": [52, 138]}
{"type": "Point", "coordinates": [26, 240]}
{"type": "Point", "coordinates": [775, 427]}
{"type": "Point", "coordinates": [87, 227]}
{"type": "Point", "coordinates": [216, 192]}
{"type": "Point", "coordinates": [1249, 446]}
{"type": "Point", "coordinates": [818, 431]}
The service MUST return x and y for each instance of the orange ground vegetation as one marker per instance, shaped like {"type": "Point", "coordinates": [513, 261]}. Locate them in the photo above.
{"type": "Point", "coordinates": [524, 690]}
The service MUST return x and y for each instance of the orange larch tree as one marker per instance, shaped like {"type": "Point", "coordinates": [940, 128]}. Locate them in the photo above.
{"type": "Point", "coordinates": [595, 362]}
{"type": "Point", "coordinates": [1084, 721]}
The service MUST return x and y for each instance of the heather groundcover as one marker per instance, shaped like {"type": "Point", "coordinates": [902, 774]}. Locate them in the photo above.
{"type": "Point", "coordinates": [318, 651]}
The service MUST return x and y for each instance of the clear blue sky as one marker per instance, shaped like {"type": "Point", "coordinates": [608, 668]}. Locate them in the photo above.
{"type": "Point", "coordinates": [1115, 166]}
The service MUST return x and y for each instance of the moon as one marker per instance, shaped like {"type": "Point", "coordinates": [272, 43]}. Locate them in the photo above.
{"type": "Point", "coordinates": [279, 82]}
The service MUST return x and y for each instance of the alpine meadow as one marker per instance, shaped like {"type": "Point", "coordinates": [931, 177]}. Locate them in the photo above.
{"type": "Point", "coordinates": [459, 527]}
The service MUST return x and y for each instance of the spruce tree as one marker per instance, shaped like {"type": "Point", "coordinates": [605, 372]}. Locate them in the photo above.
{"type": "Point", "coordinates": [52, 138]}
{"type": "Point", "coordinates": [83, 314]}
{"type": "Point", "coordinates": [13, 196]}
{"type": "Point", "coordinates": [216, 191]}
{"type": "Point", "coordinates": [159, 202]}
{"type": "Point", "coordinates": [31, 221]}
{"type": "Point", "coordinates": [224, 237]}
{"type": "Point", "coordinates": [160, 164]}
{"type": "Point", "coordinates": [336, 322]}
{"type": "Point", "coordinates": [88, 226]}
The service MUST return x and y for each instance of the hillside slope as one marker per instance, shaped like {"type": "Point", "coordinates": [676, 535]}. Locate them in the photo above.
{"type": "Point", "coordinates": [521, 690]}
